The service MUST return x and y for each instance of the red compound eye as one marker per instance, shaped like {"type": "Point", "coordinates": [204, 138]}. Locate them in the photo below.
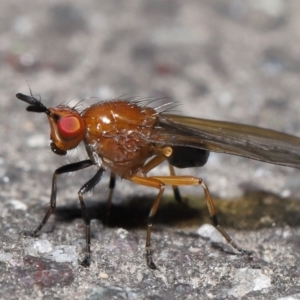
{"type": "Point", "coordinates": [69, 127]}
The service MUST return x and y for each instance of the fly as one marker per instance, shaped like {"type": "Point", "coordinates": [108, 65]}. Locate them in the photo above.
{"type": "Point", "coordinates": [130, 140]}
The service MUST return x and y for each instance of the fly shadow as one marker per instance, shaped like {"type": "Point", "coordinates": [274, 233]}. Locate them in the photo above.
{"type": "Point", "coordinates": [256, 209]}
{"type": "Point", "coordinates": [133, 213]}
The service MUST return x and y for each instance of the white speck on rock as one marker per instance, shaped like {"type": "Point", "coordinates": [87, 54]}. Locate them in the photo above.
{"type": "Point", "coordinates": [248, 280]}
{"type": "Point", "coordinates": [64, 253]}
{"type": "Point", "coordinates": [5, 256]}
{"type": "Point", "coordinates": [40, 246]}
{"type": "Point", "coordinates": [208, 231]}
{"type": "Point", "coordinates": [18, 205]}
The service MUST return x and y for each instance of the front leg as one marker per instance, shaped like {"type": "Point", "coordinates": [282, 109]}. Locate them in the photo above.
{"type": "Point", "coordinates": [84, 189]}
{"type": "Point", "coordinates": [64, 169]}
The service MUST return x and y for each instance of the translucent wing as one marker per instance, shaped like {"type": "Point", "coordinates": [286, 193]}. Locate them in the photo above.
{"type": "Point", "coordinates": [249, 141]}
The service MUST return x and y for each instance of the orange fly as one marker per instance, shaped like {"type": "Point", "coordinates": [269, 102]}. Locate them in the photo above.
{"type": "Point", "coordinates": [130, 140]}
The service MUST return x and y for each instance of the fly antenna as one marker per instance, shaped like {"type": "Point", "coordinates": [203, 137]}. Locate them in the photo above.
{"type": "Point", "coordinates": [34, 104]}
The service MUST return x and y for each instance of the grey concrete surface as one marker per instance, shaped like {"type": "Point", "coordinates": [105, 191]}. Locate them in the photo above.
{"type": "Point", "coordinates": [226, 60]}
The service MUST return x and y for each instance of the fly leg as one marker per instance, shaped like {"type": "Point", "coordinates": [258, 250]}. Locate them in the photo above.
{"type": "Point", "coordinates": [111, 186]}
{"type": "Point", "coordinates": [64, 169]}
{"type": "Point", "coordinates": [175, 188]}
{"type": "Point", "coordinates": [151, 182]}
{"type": "Point", "coordinates": [190, 180]}
{"type": "Point", "coordinates": [84, 189]}
{"type": "Point", "coordinates": [157, 161]}
{"type": "Point", "coordinates": [215, 223]}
